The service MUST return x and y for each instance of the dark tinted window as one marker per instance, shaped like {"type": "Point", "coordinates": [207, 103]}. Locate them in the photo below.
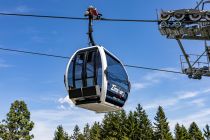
{"type": "Point", "coordinates": [78, 83]}
{"type": "Point", "coordinates": [80, 58]}
{"type": "Point", "coordinates": [118, 84]}
{"type": "Point", "coordinates": [85, 69]}
{"type": "Point", "coordinates": [116, 73]}
{"type": "Point", "coordinates": [78, 66]}
{"type": "Point", "coordinates": [90, 68]}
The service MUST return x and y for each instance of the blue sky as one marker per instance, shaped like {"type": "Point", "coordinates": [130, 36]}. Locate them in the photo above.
{"type": "Point", "coordinates": [39, 80]}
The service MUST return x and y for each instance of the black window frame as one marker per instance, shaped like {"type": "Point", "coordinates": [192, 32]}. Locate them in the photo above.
{"type": "Point", "coordinates": [84, 76]}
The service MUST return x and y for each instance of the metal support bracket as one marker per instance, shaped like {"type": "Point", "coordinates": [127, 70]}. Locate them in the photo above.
{"type": "Point", "coordinates": [184, 53]}
{"type": "Point", "coordinates": [207, 51]}
{"type": "Point", "coordinates": [92, 14]}
{"type": "Point", "coordinates": [198, 67]}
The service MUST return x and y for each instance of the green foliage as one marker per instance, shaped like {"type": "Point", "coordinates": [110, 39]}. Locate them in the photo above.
{"type": "Point", "coordinates": [60, 134]}
{"type": "Point", "coordinates": [95, 132]}
{"type": "Point", "coordinates": [77, 134]}
{"type": "Point", "coordinates": [111, 127]}
{"type": "Point", "coordinates": [135, 125]}
{"type": "Point", "coordinates": [181, 133]}
{"type": "Point", "coordinates": [123, 125]}
{"type": "Point", "coordinates": [3, 133]}
{"type": "Point", "coordinates": [177, 131]}
{"type": "Point", "coordinates": [115, 126]}
{"type": "Point", "coordinates": [17, 125]}
{"type": "Point", "coordinates": [207, 132]}
{"type": "Point", "coordinates": [194, 132]}
{"type": "Point", "coordinates": [132, 127]}
{"type": "Point", "coordinates": [86, 132]}
{"type": "Point", "coordinates": [81, 137]}
{"type": "Point", "coordinates": [144, 129]}
{"type": "Point", "coordinates": [162, 131]}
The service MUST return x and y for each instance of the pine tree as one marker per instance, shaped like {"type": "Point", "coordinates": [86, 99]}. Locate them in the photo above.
{"type": "Point", "coordinates": [60, 134]}
{"type": "Point", "coordinates": [144, 126]}
{"type": "Point", "coordinates": [111, 126]}
{"type": "Point", "coordinates": [106, 125]}
{"type": "Point", "coordinates": [86, 132]}
{"type": "Point", "coordinates": [124, 131]}
{"type": "Point", "coordinates": [162, 130]}
{"type": "Point", "coordinates": [194, 132]}
{"type": "Point", "coordinates": [76, 134]}
{"type": "Point", "coordinates": [132, 126]}
{"type": "Point", "coordinates": [207, 132]}
{"type": "Point", "coordinates": [81, 137]}
{"type": "Point", "coordinates": [185, 133]}
{"type": "Point", "coordinates": [3, 133]}
{"type": "Point", "coordinates": [181, 133]}
{"type": "Point", "coordinates": [177, 130]}
{"type": "Point", "coordinates": [95, 131]}
{"type": "Point", "coordinates": [17, 124]}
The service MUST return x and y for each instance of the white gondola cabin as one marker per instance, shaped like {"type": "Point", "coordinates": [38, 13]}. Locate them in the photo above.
{"type": "Point", "coordinates": [96, 80]}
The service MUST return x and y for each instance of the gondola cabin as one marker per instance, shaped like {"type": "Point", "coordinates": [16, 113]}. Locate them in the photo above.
{"type": "Point", "coordinates": [96, 80]}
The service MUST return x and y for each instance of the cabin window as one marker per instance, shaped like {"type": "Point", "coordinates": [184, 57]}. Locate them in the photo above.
{"type": "Point", "coordinates": [116, 73]}
{"type": "Point", "coordinates": [90, 68]}
{"type": "Point", "coordinates": [85, 69]}
{"type": "Point", "coordinates": [80, 58]}
{"type": "Point", "coordinates": [118, 85]}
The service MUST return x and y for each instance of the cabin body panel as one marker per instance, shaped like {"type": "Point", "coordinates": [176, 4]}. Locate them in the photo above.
{"type": "Point", "coordinates": [96, 80]}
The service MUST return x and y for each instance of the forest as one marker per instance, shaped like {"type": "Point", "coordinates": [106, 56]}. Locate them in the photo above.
{"type": "Point", "coordinates": [120, 125]}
